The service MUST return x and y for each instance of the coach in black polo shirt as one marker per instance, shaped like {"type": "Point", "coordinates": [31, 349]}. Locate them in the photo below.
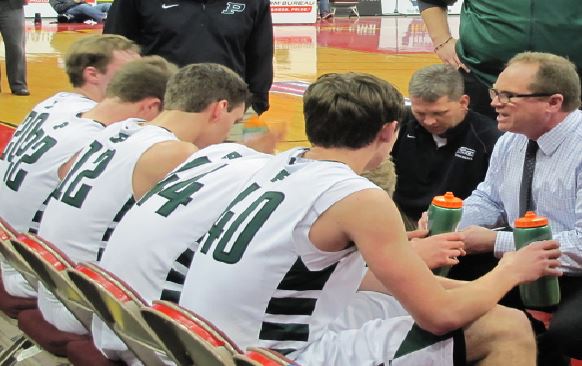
{"type": "Point", "coordinates": [442, 146]}
{"type": "Point", "coordinates": [236, 34]}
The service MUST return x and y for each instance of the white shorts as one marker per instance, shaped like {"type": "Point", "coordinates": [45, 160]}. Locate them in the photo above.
{"type": "Point", "coordinates": [54, 312]}
{"type": "Point", "coordinates": [109, 344]}
{"type": "Point", "coordinates": [376, 330]}
{"type": "Point", "coordinates": [14, 283]}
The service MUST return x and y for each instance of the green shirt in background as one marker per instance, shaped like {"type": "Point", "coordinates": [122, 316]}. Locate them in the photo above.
{"type": "Point", "coordinates": [493, 31]}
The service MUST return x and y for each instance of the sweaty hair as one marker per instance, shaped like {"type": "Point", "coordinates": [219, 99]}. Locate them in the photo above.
{"type": "Point", "coordinates": [140, 79]}
{"type": "Point", "coordinates": [436, 81]}
{"type": "Point", "coordinates": [556, 74]}
{"type": "Point", "coordinates": [348, 110]}
{"type": "Point", "coordinates": [194, 87]}
{"type": "Point", "coordinates": [96, 51]}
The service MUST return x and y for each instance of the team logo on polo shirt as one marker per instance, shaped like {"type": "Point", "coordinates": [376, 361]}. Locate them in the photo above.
{"type": "Point", "coordinates": [232, 8]}
{"type": "Point", "coordinates": [465, 153]}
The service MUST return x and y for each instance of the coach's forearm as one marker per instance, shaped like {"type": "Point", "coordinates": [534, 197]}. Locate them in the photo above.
{"type": "Point", "coordinates": [437, 25]}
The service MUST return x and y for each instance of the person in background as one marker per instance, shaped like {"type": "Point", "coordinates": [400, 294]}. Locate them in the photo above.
{"type": "Point", "coordinates": [79, 10]}
{"type": "Point", "coordinates": [238, 35]}
{"type": "Point", "coordinates": [324, 10]}
{"type": "Point", "coordinates": [12, 31]}
{"type": "Point", "coordinates": [493, 31]}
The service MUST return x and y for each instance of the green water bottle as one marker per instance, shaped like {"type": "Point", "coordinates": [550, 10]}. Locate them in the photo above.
{"type": "Point", "coordinates": [444, 214]}
{"type": "Point", "coordinates": [544, 292]}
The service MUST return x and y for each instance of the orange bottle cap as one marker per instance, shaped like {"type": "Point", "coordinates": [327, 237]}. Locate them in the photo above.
{"type": "Point", "coordinates": [255, 122]}
{"type": "Point", "coordinates": [447, 201]}
{"type": "Point", "coordinates": [530, 219]}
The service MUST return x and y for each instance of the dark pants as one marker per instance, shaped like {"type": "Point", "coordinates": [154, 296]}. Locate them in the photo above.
{"type": "Point", "coordinates": [479, 94]}
{"type": "Point", "coordinates": [12, 30]}
{"type": "Point", "coordinates": [565, 331]}
{"type": "Point", "coordinates": [86, 11]}
{"type": "Point", "coordinates": [564, 336]}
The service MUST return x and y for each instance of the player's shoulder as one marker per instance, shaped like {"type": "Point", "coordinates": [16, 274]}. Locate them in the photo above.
{"type": "Point", "coordinates": [367, 201]}
{"type": "Point", "coordinates": [227, 150]}
{"type": "Point", "coordinates": [65, 102]}
{"type": "Point", "coordinates": [121, 131]}
{"type": "Point", "coordinates": [174, 150]}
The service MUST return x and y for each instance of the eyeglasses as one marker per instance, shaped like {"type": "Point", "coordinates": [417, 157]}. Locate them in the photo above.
{"type": "Point", "coordinates": [505, 97]}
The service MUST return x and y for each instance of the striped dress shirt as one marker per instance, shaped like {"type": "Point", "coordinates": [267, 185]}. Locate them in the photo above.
{"type": "Point", "coordinates": [556, 189]}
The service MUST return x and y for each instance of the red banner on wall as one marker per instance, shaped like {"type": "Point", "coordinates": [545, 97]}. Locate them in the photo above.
{"type": "Point", "coordinates": [291, 9]}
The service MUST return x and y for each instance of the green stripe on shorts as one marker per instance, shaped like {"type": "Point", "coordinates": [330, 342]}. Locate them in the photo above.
{"type": "Point", "coordinates": [417, 339]}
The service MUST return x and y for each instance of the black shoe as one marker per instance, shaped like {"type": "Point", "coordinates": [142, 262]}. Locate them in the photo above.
{"type": "Point", "coordinates": [64, 18]}
{"type": "Point", "coordinates": [21, 92]}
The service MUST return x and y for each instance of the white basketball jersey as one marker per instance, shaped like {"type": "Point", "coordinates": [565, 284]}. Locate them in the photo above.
{"type": "Point", "coordinates": [257, 275]}
{"type": "Point", "coordinates": [86, 206]}
{"type": "Point", "coordinates": [160, 231]}
{"type": "Point", "coordinates": [51, 133]}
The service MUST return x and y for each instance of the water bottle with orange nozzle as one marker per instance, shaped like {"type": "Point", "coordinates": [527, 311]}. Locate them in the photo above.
{"type": "Point", "coordinates": [444, 214]}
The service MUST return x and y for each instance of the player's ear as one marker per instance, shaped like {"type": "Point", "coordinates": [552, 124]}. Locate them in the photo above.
{"type": "Point", "coordinates": [150, 108]}
{"type": "Point", "coordinates": [91, 75]}
{"type": "Point", "coordinates": [218, 108]}
{"type": "Point", "coordinates": [387, 131]}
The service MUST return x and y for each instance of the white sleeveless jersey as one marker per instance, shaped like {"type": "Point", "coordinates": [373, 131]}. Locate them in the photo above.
{"type": "Point", "coordinates": [256, 274]}
{"type": "Point", "coordinates": [86, 206]}
{"type": "Point", "coordinates": [51, 133]}
{"type": "Point", "coordinates": [160, 231]}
